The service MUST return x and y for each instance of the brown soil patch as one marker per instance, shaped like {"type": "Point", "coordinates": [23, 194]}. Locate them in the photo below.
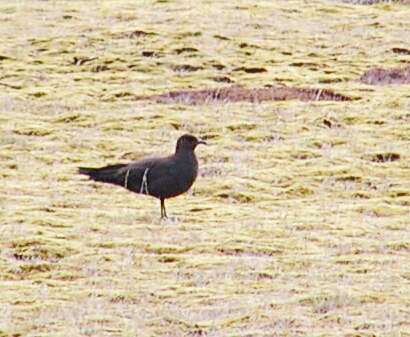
{"type": "Point", "coordinates": [386, 76]}
{"type": "Point", "coordinates": [224, 79]}
{"type": "Point", "coordinates": [241, 94]}
{"type": "Point", "coordinates": [186, 68]}
{"type": "Point", "coordinates": [384, 157]}
{"type": "Point", "coordinates": [251, 70]}
{"type": "Point", "coordinates": [401, 51]}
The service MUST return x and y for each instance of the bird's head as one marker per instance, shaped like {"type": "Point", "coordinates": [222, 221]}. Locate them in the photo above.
{"type": "Point", "coordinates": [188, 143]}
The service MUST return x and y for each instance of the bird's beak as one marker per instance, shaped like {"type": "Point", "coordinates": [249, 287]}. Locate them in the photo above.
{"type": "Point", "coordinates": [201, 141]}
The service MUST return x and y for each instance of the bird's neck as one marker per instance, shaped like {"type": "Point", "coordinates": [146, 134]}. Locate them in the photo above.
{"type": "Point", "coordinates": [185, 155]}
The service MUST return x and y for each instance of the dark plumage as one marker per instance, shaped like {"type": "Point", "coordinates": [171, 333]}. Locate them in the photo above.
{"type": "Point", "coordinates": [161, 178]}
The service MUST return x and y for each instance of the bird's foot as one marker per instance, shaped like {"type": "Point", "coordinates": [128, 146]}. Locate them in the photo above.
{"type": "Point", "coordinates": [172, 220]}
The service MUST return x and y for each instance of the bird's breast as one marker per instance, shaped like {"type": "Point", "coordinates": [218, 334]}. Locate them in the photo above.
{"type": "Point", "coordinates": [178, 179]}
{"type": "Point", "coordinates": [186, 174]}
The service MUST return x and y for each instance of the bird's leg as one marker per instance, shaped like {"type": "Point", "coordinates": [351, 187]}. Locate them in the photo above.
{"type": "Point", "coordinates": [163, 210]}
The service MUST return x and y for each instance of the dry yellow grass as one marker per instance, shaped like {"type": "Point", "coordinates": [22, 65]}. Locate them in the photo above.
{"type": "Point", "coordinates": [293, 229]}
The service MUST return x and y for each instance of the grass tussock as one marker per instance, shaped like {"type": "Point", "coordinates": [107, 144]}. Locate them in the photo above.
{"type": "Point", "coordinates": [298, 223]}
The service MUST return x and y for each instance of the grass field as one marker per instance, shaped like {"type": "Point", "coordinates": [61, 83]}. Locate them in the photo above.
{"type": "Point", "coordinates": [298, 224]}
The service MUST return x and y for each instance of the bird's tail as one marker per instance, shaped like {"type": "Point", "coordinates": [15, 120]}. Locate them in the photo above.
{"type": "Point", "coordinates": [108, 174]}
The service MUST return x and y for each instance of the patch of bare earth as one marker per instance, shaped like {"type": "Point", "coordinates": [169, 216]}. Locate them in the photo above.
{"type": "Point", "coordinates": [241, 94]}
{"type": "Point", "coordinates": [380, 76]}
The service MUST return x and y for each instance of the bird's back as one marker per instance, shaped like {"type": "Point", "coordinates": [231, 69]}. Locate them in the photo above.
{"type": "Point", "coordinates": [159, 177]}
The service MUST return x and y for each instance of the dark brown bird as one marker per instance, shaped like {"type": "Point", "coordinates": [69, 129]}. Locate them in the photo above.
{"type": "Point", "coordinates": [161, 178]}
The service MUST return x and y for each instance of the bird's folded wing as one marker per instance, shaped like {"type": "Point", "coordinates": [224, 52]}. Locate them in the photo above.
{"type": "Point", "coordinates": [140, 175]}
